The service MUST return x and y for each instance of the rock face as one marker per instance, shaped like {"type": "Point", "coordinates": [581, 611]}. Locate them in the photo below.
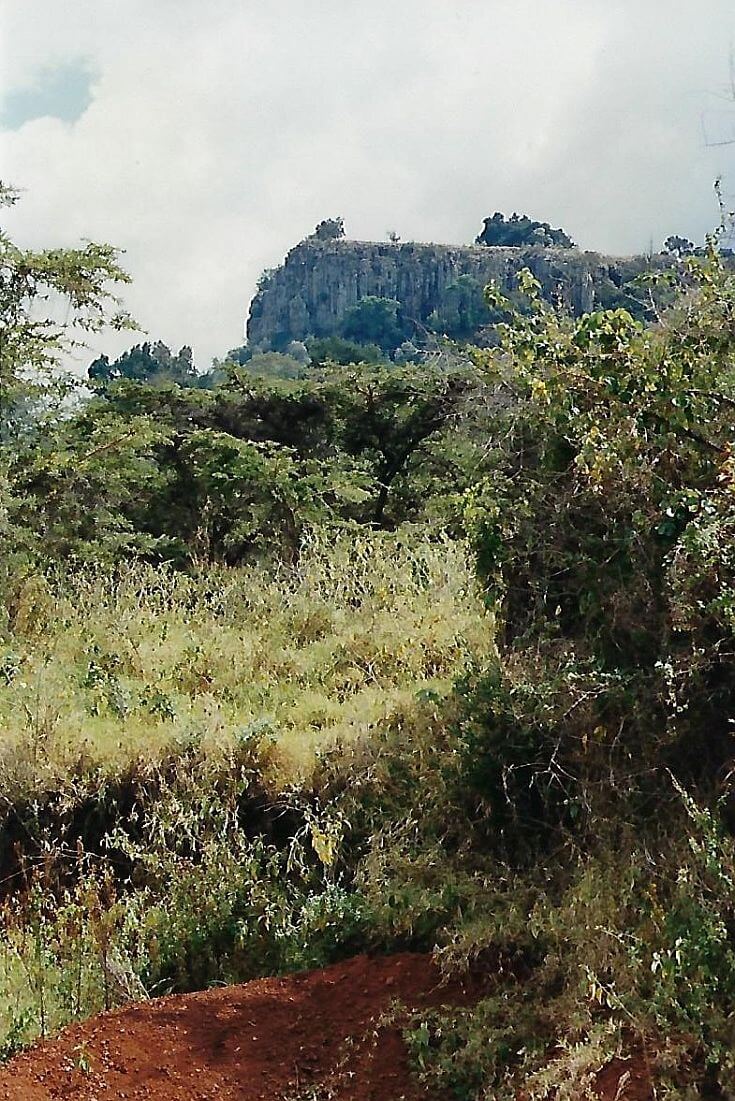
{"type": "Point", "coordinates": [320, 280]}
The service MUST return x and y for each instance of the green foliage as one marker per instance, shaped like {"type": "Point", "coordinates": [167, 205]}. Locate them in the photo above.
{"type": "Point", "coordinates": [463, 310]}
{"type": "Point", "coordinates": [33, 390]}
{"type": "Point", "coordinates": [374, 320]}
{"type": "Point", "coordinates": [616, 452]}
{"type": "Point", "coordinates": [274, 365]}
{"type": "Point", "coordinates": [153, 363]}
{"type": "Point", "coordinates": [631, 955]}
{"type": "Point", "coordinates": [32, 346]}
{"type": "Point", "coordinates": [77, 489]}
{"type": "Point", "coordinates": [387, 416]}
{"type": "Point", "coordinates": [331, 229]}
{"type": "Point", "coordinates": [241, 496]}
{"type": "Point", "coordinates": [156, 466]}
{"type": "Point", "coordinates": [678, 246]}
{"type": "Point", "coordinates": [333, 349]}
{"type": "Point", "coordinates": [603, 528]}
{"type": "Point", "coordinates": [369, 443]}
{"type": "Point", "coordinates": [317, 737]}
{"type": "Point", "coordinates": [520, 230]}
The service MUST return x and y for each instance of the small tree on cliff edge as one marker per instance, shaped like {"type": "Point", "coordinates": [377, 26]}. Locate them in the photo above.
{"type": "Point", "coordinates": [331, 229]}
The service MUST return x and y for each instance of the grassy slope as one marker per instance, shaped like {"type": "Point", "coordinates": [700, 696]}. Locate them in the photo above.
{"type": "Point", "coordinates": [107, 678]}
{"type": "Point", "coordinates": [101, 670]}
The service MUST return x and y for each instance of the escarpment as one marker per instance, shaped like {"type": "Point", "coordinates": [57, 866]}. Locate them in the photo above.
{"type": "Point", "coordinates": [320, 280]}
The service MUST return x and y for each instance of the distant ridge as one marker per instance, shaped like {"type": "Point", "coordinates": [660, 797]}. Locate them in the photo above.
{"type": "Point", "coordinates": [319, 280]}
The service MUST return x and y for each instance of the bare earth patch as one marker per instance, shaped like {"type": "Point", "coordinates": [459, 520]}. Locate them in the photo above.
{"type": "Point", "coordinates": [310, 1037]}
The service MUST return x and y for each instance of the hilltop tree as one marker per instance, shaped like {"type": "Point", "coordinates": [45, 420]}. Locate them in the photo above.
{"type": "Point", "coordinates": [678, 246]}
{"type": "Point", "coordinates": [331, 229]}
{"type": "Point", "coordinates": [519, 231]}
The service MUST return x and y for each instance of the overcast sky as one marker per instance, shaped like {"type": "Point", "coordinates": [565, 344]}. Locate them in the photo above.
{"type": "Point", "coordinates": [206, 138]}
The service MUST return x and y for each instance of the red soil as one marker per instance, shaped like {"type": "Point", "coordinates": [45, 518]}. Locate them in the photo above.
{"type": "Point", "coordinates": [275, 1039]}
{"type": "Point", "coordinates": [625, 1080]}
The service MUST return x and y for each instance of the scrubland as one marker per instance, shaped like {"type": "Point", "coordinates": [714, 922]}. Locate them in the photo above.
{"type": "Point", "coordinates": [167, 706]}
{"type": "Point", "coordinates": [429, 655]}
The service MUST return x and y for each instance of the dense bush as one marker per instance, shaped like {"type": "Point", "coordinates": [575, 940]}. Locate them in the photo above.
{"type": "Point", "coordinates": [374, 320]}
{"type": "Point", "coordinates": [292, 733]}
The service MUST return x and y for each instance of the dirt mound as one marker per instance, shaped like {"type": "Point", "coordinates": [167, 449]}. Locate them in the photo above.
{"type": "Point", "coordinates": [293, 1039]}
{"type": "Point", "coordinates": [272, 1038]}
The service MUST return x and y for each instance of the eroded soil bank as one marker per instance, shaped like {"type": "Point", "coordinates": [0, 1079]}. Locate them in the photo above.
{"type": "Point", "coordinates": [322, 1034]}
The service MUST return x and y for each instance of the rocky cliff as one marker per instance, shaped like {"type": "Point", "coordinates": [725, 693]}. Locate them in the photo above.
{"type": "Point", "coordinates": [320, 280]}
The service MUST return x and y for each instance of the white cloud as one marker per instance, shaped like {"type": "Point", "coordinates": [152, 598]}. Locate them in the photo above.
{"type": "Point", "coordinates": [219, 133]}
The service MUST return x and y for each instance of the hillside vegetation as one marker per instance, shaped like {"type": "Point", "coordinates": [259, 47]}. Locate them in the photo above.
{"type": "Point", "coordinates": [102, 669]}
{"type": "Point", "coordinates": [433, 655]}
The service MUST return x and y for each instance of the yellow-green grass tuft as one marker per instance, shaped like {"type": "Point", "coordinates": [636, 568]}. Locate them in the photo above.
{"type": "Point", "coordinates": [106, 669]}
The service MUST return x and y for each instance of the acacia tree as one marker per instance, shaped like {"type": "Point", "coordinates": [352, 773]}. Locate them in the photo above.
{"type": "Point", "coordinates": [388, 415]}
{"type": "Point", "coordinates": [53, 479]}
{"type": "Point", "coordinates": [331, 229]}
{"type": "Point", "coordinates": [32, 344]}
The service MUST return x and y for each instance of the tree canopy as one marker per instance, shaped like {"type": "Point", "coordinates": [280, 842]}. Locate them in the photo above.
{"type": "Point", "coordinates": [32, 343]}
{"type": "Point", "coordinates": [331, 229]}
{"type": "Point", "coordinates": [148, 362]}
{"type": "Point", "coordinates": [374, 320]}
{"type": "Point", "coordinates": [521, 231]}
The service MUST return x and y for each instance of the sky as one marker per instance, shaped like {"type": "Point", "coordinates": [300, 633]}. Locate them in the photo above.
{"type": "Point", "coordinates": [206, 139]}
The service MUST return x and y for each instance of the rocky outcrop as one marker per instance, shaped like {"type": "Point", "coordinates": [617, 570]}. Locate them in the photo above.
{"type": "Point", "coordinates": [320, 280]}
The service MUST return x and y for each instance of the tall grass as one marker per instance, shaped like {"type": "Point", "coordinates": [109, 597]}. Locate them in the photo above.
{"type": "Point", "coordinates": [99, 669]}
{"type": "Point", "coordinates": [144, 713]}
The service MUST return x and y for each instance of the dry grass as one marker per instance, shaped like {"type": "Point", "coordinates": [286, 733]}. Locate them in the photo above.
{"type": "Point", "coordinates": [108, 669]}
